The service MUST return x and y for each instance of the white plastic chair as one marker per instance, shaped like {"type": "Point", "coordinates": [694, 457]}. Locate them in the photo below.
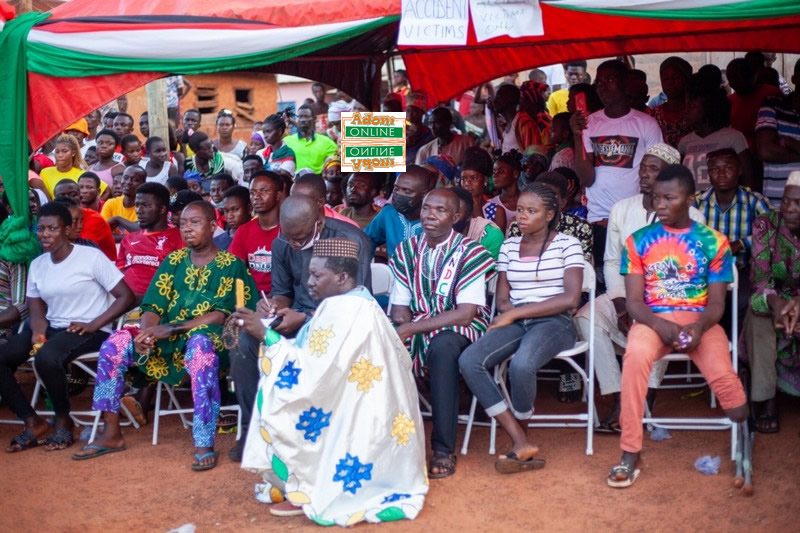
{"type": "Point", "coordinates": [77, 416]}
{"type": "Point", "coordinates": [706, 423]}
{"type": "Point", "coordinates": [382, 279]}
{"type": "Point", "coordinates": [586, 419]}
{"type": "Point", "coordinates": [174, 408]}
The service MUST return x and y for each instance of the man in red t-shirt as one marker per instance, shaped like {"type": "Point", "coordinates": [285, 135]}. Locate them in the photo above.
{"type": "Point", "coordinates": [95, 227]}
{"type": "Point", "coordinates": [252, 242]}
{"type": "Point", "coordinates": [141, 252]}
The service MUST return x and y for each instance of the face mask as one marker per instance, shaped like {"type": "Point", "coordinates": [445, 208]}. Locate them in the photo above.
{"type": "Point", "coordinates": [310, 243]}
{"type": "Point", "coordinates": [404, 204]}
{"type": "Point", "coordinates": [461, 225]}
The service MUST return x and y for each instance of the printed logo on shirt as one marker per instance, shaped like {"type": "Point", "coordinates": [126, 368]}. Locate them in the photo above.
{"type": "Point", "coordinates": [161, 242]}
{"type": "Point", "coordinates": [614, 150]}
{"type": "Point", "coordinates": [148, 260]}
{"type": "Point", "coordinates": [260, 260]}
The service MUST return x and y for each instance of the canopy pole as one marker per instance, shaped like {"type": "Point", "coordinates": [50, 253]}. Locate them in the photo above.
{"type": "Point", "coordinates": [390, 71]}
{"type": "Point", "coordinates": [157, 109]}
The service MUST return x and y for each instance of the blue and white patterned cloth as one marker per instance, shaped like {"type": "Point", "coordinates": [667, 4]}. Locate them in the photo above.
{"type": "Point", "coordinates": [336, 427]}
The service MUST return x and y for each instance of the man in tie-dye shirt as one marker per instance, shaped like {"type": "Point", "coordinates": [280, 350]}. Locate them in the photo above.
{"type": "Point", "coordinates": [676, 276]}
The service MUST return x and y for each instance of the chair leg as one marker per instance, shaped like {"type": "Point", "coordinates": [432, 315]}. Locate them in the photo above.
{"type": "Point", "coordinates": [238, 423]}
{"type": "Point", "coordinates": [94, 427]}
{"type": "Point", "coordinates": [175, 405]}
{"type": "Point", "coordinates": [157, 413]}
{"type": "Point", "coordinates": [470, 420]}
{"type": "Point", "coordinates": [493, 437]}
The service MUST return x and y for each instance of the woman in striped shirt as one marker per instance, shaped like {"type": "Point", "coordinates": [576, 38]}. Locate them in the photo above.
{"type": "Point", "coordinates": [538, 287]}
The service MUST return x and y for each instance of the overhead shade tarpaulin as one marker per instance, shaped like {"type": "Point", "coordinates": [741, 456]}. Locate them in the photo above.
{"type": "Point", "coordinates": [579, 29]}
{"type": "Point", "coordinates": [85, 53]}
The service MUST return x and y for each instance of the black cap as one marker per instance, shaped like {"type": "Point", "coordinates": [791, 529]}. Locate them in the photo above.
{"type": "Point", "coordinates": [182, 199]}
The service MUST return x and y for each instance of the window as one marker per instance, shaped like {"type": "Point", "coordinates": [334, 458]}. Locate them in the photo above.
{"type": "Point", "coordinates": [207, 101]}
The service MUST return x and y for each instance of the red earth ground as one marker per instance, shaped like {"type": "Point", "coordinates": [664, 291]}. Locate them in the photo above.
{"type": "Point", "coordinates": [151, 488]}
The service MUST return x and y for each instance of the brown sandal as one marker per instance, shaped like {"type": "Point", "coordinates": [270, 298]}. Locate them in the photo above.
{"type": "Point", "coordinates": [445, 463]}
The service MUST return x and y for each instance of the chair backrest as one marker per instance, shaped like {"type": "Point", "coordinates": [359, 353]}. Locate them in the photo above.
{"type": "Point", "coordinates": [734, 285]}
{"type": "Point", "coordinates": [491, 289]}
{"type": "Point", "coordinates": [589, 281]}
{"type": "Point", "coordinates": [382, 279]}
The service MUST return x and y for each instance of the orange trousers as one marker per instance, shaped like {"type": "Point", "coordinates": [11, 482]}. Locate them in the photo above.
{"type": "Point", "coordinates": [712, 356]}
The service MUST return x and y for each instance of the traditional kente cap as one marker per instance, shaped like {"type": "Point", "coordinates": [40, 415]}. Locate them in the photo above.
{"type": "Point", "coordinates": [335, 248]}
{"type": "Point", "coordinates": [794, 178]}
{"type": "Point", "coordinates": [665, 153]}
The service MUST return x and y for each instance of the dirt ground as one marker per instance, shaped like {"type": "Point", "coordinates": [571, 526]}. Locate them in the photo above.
{"type": "Point", "coordinates": [149, 488]}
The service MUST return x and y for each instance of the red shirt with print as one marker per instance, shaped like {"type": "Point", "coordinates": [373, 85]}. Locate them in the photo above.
{"type": "Point", "coordinates": [142, 252]}
{"type": "Point", "coordinates": [253, 245]}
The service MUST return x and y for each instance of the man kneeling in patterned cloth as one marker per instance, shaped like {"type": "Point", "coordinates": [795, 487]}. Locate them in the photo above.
{"type": "Point", "coordinates": [336, 430]}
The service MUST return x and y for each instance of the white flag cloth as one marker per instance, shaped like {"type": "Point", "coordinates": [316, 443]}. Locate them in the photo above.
{"type": "Point", "coordinates": [336, 427]}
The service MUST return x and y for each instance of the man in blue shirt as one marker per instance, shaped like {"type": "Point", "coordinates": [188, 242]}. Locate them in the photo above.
{"type": "Point", "coordinates": [399, 221]}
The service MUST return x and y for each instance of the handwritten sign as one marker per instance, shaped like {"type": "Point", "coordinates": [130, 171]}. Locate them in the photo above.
{"type": "Point", "coordinates": [433, 22]}
{"type": "Point", "coordinates": [515, 18]}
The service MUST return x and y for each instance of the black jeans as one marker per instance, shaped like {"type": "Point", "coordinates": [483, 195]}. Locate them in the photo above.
{"type": "Point", "coordinates": [61, 348]}
{"type": "Point", "coordinates": [245, 374]}
{"type": "Point", "coordinates": [442, 361]}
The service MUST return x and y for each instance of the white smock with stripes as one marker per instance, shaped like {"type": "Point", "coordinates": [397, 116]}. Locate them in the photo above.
{"type": "Point", "coordinates": [529, 284]}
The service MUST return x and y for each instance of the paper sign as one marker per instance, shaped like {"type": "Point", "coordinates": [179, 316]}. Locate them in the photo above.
{"type": "Point", "coordinates": [515, 18]}
{"type": "Point", "coordinates": [433, 22]}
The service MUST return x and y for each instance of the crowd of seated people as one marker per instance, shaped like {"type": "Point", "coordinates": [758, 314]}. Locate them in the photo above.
{"type": "Point", "coordinates": [242, 258]}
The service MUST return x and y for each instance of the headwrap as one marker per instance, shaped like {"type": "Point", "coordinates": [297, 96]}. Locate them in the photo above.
{"type": "Point", "coordinates": [81, 125]}
{"type": "Point", "coordinates": [531, 96]}
{"type": "Point", "coordinates": [794, 178]}
{"type": "Point", "coordinates": [335, 248]}
{"type": "Point", "coordinates": [258, 136]}
{"type": "Point", "coordinates": [477, 159]}
{"type": "Point", "coordinates": [335, 110]}
{"type": "Point", "coordinates": [665, 152]}
{"type": "Point", "coordinates": [418, 100]}
{"type": "Point", "coordinates": [330, 161]}
{"type": "Point", "coordinates": [190, 175]}
{"type": "Point", "coordinates": [444, 164]}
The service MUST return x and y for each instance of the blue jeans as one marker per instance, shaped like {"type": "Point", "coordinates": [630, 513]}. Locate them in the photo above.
{"type": "Point", "coordinates": [531, 343]}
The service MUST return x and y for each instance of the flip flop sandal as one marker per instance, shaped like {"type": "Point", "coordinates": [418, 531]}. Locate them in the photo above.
{"type": "Point", "coordinates": [26, 440]}
{"type": "Point", "coordinates": [513, 465]}
{"type": "Point", "coordinates": [608, 428]}
{"type": "Point", "coordinates": [61, 437]}
{"type": "Point", "coordinates": [227, 421]}
{"type": "Point", "coordinates": [200, 458]}
{"type": "Point", "coordinates": [101, 450]}
{"type": "Point", "coordinates": [135, 408]}
{"type": "Point", "coordinates": [768, 419]}
{"type": "Point", "coordinates": [445, 462]}
{"type": "Point", "coordinates": [622, 469]}
{"type": "Point", "coordinates": [285, 508]}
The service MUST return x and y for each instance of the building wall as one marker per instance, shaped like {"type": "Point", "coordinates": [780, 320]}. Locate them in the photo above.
{"type": "Point", "coordinates": [260, 89]}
